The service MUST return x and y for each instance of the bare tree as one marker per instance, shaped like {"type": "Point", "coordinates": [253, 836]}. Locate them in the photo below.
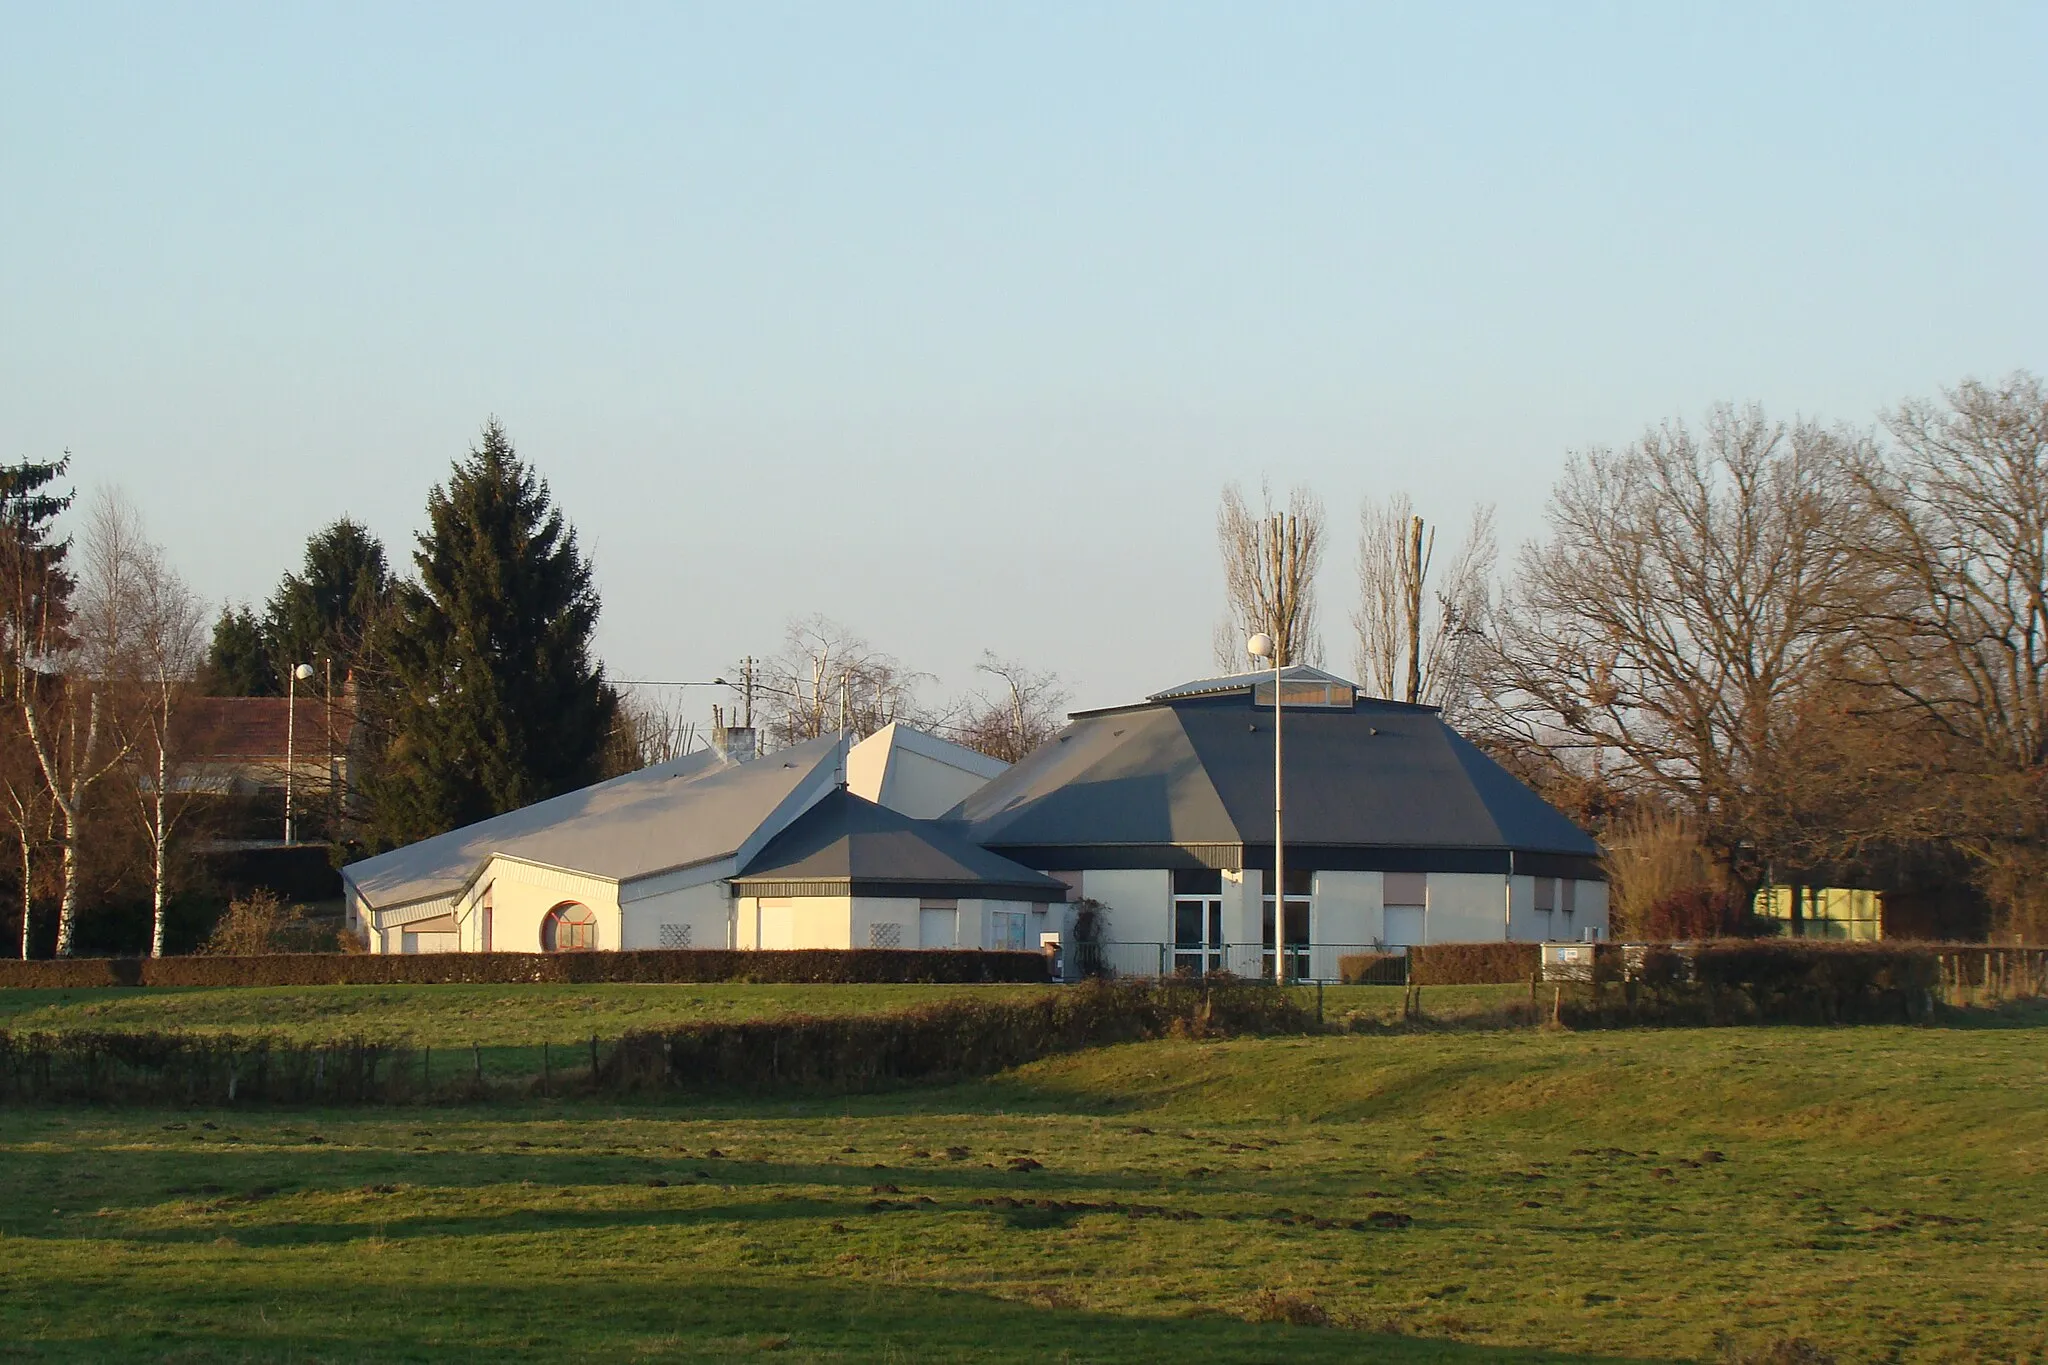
{"type": "Point", "coordinates": [1417, 637]}
{"type": "Point", "coordinates": [158, 662]}
{"type": "Point", "coordinates": [1959, 536]}
{"type": "Point", "coordinates": [1691, 602]}
{"type": "Point", "coordinates": [66, 712]}
{"type": "Point", "coordinates": [647, 729]}
{"type": "Point", "coordinates": [1270, 562]}
{"type": "Point", "coordinates": [827, 679]}
{"type": "Point", "coordinates": [1020, 713]}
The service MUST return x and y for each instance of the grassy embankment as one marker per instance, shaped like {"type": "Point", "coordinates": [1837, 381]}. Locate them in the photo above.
{"type": "Point", "coordinates": [1880, 1191]}
{"type": "Point", "coordinates": [506, 1025]}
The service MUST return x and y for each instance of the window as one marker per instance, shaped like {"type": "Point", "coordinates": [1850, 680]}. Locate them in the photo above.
{"type": "Point", "coordinates": [885, 935]}
{"type": "Point", "coordinates": [675, 935]}
{"type": "Point", "coordinates": [1546, 895]}
{"type": "Point", "coordinates": [1006, 930]}
{"type": "Point", "coordinates": [569, 928]}
{"type": "Point", "coordinates": [1407, 888]}
{"type": "Point", "coordinates": [1300, 881]}
{"type": "Point", "coordinates": [1300, 693]}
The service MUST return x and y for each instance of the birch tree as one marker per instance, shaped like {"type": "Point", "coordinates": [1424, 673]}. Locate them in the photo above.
{"type": "Point", "coordinates": [35, 614]}
{"type": "Point", "coordinates": [827, 676]}
{"type": "Point", "coordinates": [1270, 561]}
{"type": "Point", "coordinates": [165, 648]}
{"type": "Point", "coordinates": [67, 713]}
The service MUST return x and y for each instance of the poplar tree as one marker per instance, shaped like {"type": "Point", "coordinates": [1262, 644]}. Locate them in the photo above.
{"type": "Point", "coordinates": [490, 698]}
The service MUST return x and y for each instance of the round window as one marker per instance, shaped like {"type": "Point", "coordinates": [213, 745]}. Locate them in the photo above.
{"type": "Point", "coordinates": [569, 928]}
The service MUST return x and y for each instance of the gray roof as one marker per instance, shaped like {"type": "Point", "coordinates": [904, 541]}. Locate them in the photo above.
{"type": "Point", "coordinates": [874, 850]}
{"type": "Point", "coordinates": [1240, 682]}
{"type": "Point", "coordinates": [1199, 770]}
{"type": "Point", "coordinates": [691, 810]}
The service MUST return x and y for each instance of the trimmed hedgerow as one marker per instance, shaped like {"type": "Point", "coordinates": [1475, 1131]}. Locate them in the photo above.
{"type": "Point", "coordinates": [1734, 981]}
{"type": "Point", "coordinates": [804, 965]}
{"type": "Point", "coordinates": [937, 1042]}
{"type": "Point", "coordinates": [946, 1041]}
{"type": "Point", "coordinates": [1473, 964]}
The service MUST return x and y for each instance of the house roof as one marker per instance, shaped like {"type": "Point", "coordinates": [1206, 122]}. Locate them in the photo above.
{"type": "Point", "coordinates": [1196, 767]}
{"type": "Point", "coordinates": [253, 729]}
{"type": "Point", "coordinates": [691, 810]}
{"type": "Point", "coordinates": [848, 845]}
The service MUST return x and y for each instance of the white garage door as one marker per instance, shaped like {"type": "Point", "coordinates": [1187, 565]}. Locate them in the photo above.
{"type": "Point", "coordinates": [1404, 926]}
{"type": "Point", "coordinates": [938, 928]}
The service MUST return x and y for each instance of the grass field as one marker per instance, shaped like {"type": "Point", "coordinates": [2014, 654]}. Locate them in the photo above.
{"type": "Point", "coordinates": [1882, 1192]}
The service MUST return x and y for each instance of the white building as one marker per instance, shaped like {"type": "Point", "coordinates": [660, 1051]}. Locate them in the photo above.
{"type": "Point", "coordinates": [1399, 831]}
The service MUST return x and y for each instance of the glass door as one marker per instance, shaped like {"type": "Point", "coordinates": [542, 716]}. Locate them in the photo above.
{"type": "Point", "coordinates": [1197, 935]}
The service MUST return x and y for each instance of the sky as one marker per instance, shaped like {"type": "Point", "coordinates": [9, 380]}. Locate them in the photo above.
{"type": "Point", "coordinates": [951, 321]}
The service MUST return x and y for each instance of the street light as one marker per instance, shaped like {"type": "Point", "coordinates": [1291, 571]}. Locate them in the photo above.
{"type": "Point", "coordinates": [1263, 646]}
{"type": "Point", "coordinates": [299, 673]}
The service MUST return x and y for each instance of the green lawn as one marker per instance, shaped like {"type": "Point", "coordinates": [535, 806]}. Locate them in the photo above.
{"type": "Point", "coordinates": [1664, 1194]}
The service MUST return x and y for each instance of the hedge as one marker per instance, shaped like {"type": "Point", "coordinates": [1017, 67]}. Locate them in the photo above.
{"type": "Point", "coordinates": [1735, 981]}
{"type": "Point", "coordinates": [1373, 969]}
{"type": "Point", "coordinates": [936, 966]}
{"type": "Point", "coordinates": [945, 1041]}
{"type": "Point", "coordinates": [951, 1040]}
{"type": "Point", "coordinates": [1473, 964]}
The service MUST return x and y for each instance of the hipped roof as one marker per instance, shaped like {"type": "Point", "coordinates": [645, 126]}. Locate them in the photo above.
{"type": "Point", "coordinates": [1196, 767]}
{"type": "Point", "coordinates": [846, 840]}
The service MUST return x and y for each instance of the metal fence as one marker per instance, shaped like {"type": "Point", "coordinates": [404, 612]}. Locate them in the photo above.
{"type": "Point", "coordinates": [1305, 961]}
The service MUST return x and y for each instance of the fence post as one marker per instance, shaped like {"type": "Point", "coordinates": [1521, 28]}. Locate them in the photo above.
{"type": "Point", "coordinates": [476, 1057]}
{"type": "Point", "coordinates": [544, 1069]}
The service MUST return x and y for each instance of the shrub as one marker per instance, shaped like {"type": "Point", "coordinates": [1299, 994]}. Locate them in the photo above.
{"type": "Point", "coordinates": [258, 924]}
{"type": "Point", "coordinates": [1697, 913]}
{"type": "Point", "coordinates": [1473, 964]}
{"type": "Point", "coordinates": [652, 965]}
{"type": "Point", "coordinates": [1773, 981]}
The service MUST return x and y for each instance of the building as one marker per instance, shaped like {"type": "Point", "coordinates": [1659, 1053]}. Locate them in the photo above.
{"type": "Point", "coordinates": [649, 860]}
{"type": "Point", "coordinates": [1399, 831]}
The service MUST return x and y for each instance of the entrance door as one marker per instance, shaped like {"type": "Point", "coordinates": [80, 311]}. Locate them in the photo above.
{"type": "Point", "coordinates": [1197, 935]}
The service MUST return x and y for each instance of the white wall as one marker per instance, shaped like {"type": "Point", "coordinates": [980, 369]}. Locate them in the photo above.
{"type": "Point", "coordinates": [916, 774]}
{"type": "Point", "coordinates": [1467, 907]}
{"type": "Point", "coordinates": [1590, 909]}
{"type": "Point", "coordinates": [1243, 906]}
{"type": "Point", "coordinates": [703, 909]}
{"type": "Point", "coordinates": [1348, 909]}
{"type": "Point", "coordinates": [1139, 902]}
{"type": "Point", "coordinates": [520, 896]}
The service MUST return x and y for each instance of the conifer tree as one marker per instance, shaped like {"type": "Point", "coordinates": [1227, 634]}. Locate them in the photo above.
{"type": "Point", "coordinates": [489, 699]}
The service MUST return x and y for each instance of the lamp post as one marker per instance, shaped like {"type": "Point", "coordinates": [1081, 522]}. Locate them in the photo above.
{"type": "Point", "coordinates": [1263, 646]}
{"type": "Point", "coordinates": [298, 674]}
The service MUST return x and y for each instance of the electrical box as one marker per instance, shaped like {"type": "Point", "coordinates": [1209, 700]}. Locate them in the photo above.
{"type": "Point", "coordinates": [1567, 961]}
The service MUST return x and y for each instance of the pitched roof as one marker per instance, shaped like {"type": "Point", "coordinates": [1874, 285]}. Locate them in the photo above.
{"type": "Point", "coordinates": [872, 850]}
{"type": "Point", "coordinates": [691, 810]}
{"type": "Point", "coordinates": [252, 729]}
{"type": "Point", "coordinates": [1198, 768]}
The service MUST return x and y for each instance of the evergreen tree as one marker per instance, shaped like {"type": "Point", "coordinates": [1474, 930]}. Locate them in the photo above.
{"type": "Point", "coordinates": [328, 612]}
{"type": "Point", "coordinates": [238, 662]}
{"type": "Point", "coordinates": [489, 699]}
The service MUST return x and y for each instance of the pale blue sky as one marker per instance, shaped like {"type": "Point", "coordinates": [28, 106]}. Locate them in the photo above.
{"type": "Point", "coordinates": [950, 320]}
